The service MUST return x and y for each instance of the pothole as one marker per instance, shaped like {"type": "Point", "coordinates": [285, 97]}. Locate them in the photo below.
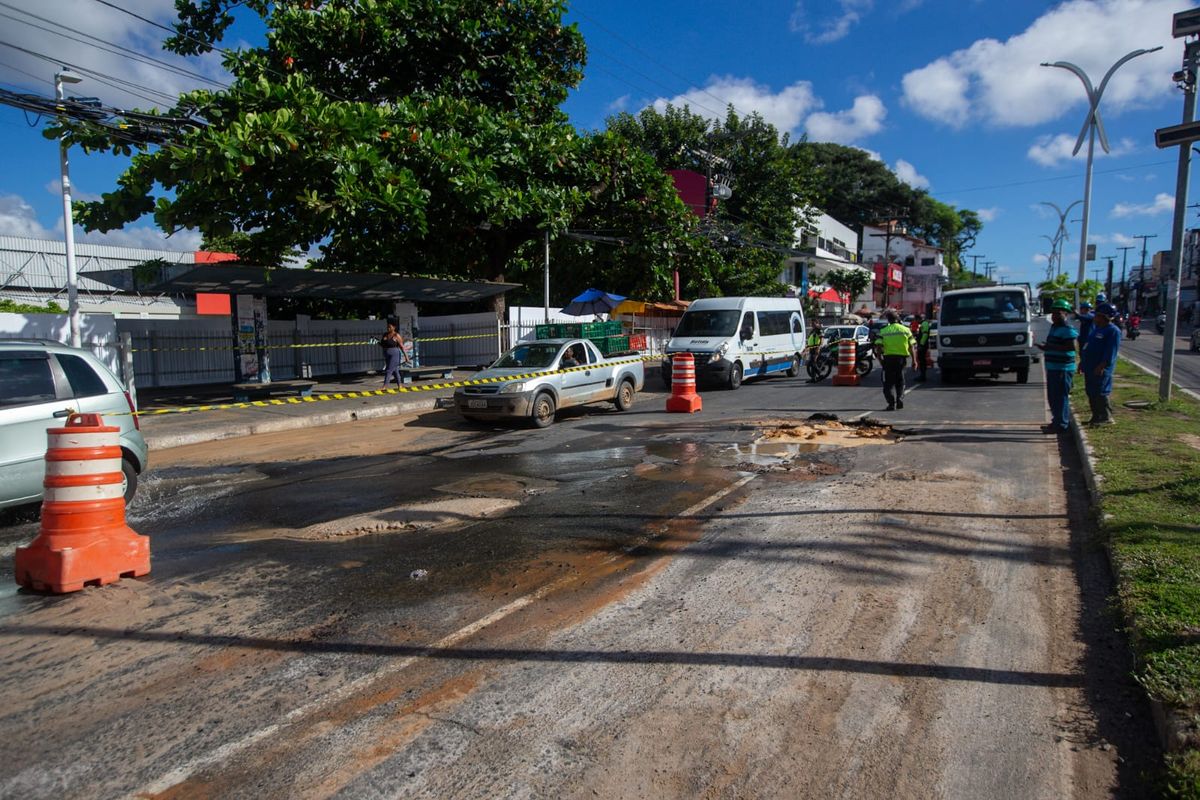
{"type": "Point", "coordinates": [440, 514]}
{"type": "Point", "coordinates": [819, 431]}
{"type": "Point", "coordinates": [497, 484]}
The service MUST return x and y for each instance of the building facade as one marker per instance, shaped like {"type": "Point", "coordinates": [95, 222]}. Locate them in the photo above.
{"type": "Point", "coordinates": [826, 245]}
{"type": "Point", "coordinates": [908, 273]}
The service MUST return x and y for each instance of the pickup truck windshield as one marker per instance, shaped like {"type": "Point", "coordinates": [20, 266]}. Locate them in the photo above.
{"type": "Point", "coordinates": [535, 356]}
{"type": "Point", "coordinates": [981, 308]}
{"type": "Point", "coordinates": [708, 323]}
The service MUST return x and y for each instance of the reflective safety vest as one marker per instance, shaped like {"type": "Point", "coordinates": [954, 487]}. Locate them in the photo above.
{"type": "Point", "coordinates": [814, 339]}
{"type": "Point", "coordinates": [923, 334]}
{"type": "Point", "coordinates": [895, 339]}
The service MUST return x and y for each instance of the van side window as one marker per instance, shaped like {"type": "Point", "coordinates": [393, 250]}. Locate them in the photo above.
{"type": "Point", "coordinates": [747, 323]}
{"type": "Point", "coordinates": [773, 323]}
{"type": "Point", "coordinates": [797, 324]}
{"type": "Point", "coordinates": [25, 380]}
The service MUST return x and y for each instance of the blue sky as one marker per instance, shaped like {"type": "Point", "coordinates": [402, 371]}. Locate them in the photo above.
{"type": "Point", "coordinates": [948, 93]}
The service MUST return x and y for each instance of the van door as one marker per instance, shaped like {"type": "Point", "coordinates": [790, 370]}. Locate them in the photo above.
{"type": "Point", "coordinates": [748, 336]}
{"type": "Point", "coordinates": [775, 346]}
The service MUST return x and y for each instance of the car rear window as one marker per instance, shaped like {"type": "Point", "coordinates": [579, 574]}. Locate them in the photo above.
{"type": "Point", "coordinates": [83, 378]}
{"type": "Point", "coordinates": [25, 380]}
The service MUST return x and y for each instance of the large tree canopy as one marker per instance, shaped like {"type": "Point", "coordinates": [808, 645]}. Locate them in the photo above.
{"type": "Point", "coordinates": [423, 136]}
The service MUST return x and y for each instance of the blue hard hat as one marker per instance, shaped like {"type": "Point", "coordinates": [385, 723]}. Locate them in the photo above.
{"type": "Point", "coordinates": [1101, 298]}
{"type": "Point", "coordinates": [1085, 304]}
{"type": "Point", "coordinates": [1106, 309]}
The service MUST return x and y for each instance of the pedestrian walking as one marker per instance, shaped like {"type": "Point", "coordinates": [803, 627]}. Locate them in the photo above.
{"type": "Point", "coordinates": [1097, 360]}
{"type": "Point", "coordinates": [393, 348]}
{"type": "Point", "coordinates": [1059, 348]}
{"type": "Point", "coordinates": [894, 346]}
{"type": "Point", "coordinates": [924, 327]}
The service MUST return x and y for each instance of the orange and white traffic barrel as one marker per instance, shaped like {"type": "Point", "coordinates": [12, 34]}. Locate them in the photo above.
{"type": "Point", "coordinates": [847, 374]}
{"type": "Point", "coordinates": [83, 538]}
{"type": "Point", "coordinates": [683, 397]}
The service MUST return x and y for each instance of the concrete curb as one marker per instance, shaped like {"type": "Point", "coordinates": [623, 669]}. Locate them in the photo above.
{"type": "Point", "coordinates": [232, 430]}
{"type": "Point", "coordinates": [1168, 723]}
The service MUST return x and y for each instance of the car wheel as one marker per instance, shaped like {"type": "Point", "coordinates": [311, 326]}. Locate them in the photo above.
{"type": "Point", "coordinates": [543, 410]}
{"type": "Point", "coordinates": [735, 375]}
{"type": "Point", "coordinates": [1023, 375]}
{"type": "Point", "coordinates": [794, 369]}
{"type": "Point", "coordinates": [625, 394]}
{"type": "Point", "coordinates": [130, 482]}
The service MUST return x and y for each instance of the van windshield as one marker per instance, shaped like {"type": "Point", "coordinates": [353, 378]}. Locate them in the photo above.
{"type": "Point", "coordinates": [708, 323]}
{"type": "Point", "coordinates": [981, 308]}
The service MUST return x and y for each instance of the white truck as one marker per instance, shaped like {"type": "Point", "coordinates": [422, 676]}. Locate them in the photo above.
{"type": "Point", "coordinates": [535, 379]}
{"type": "Point", "coordinates": [985, 330]}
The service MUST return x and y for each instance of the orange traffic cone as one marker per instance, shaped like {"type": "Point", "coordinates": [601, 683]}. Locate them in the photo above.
{"type": "Point", "coordinates": [847, 374]}
{"type": "Point", "coordinates": [83, 539]}
{"type": "Point", "coordinates": [683, 385]}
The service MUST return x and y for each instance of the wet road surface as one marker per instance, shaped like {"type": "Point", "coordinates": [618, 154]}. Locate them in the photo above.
{"type": "Point", "coordinates": [629, 605]}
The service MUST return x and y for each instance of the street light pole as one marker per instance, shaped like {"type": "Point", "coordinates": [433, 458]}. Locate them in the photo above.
{"type": "Point", "coordinates": [1091, 126]}
{"type": "Point", "coordinates": [61, 77]}
{"type": "Point", "coordinates": [1060, 235]}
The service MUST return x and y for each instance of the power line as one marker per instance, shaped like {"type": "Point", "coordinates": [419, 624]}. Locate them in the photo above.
{"type": "Point", "coordinates": [116, 49]}
{"type": "Point", "coordinates": [1049, 180]}
{"type": "Point", "coordinates": [108, 80]}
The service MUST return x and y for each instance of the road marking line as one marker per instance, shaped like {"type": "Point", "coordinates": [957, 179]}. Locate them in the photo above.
{"type": "Point", "coordinates": [225, 751]}
{"type": "Point", "coordinates": [1157, 374]}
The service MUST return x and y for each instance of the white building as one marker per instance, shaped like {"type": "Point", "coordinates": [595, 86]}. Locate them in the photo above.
{"type": "Point", "coordinates": [916, 285]}
{"type": "Point", "coordinates": [827, 245]}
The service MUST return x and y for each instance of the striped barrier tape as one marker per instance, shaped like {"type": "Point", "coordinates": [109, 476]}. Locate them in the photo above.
{"type": "Point", "coordinates": [227, 347]}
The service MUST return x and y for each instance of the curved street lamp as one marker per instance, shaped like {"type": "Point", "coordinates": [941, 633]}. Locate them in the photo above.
{"type": "Point", "coordinates": [1092, 125]}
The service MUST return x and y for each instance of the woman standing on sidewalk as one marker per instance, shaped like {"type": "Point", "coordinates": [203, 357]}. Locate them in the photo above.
{"type": "Point", "coordinates": [393, 345]}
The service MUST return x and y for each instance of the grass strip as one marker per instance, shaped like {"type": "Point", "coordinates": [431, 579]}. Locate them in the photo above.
{"type": "Point", "coordinates": [1150, 518]}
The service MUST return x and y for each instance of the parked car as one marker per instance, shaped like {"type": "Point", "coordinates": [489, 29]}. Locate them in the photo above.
{"type": "Point", "coordinates": [41, 383]}
{"type": "Point", "coordinates": [535, 390]}
{"type": "Point", "coordinates": [859, 333]}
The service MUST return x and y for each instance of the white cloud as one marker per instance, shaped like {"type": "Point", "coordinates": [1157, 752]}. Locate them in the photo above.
{"type": "Point", "coordinates": [1163, 204]}
{"type": "Point", "coordinates": [988, 214]}
{"type": "Point", "coordinates": [784, 109]}
{"type": "Point", "coordinates": [18, 218]}
{"type": "Point", "coordinates": [908, 173]}
{"type": "Point", "coordinates": [152, 81]}
{"type": "Point", "coordinates": [1001, 83]}
{"type": "Point", "coordinates": [1051, 151]}
{"type": "Point", "coordinates": [833, 27]}
{"type": "Point", "coordinates": [54, 187]}
{"type": "Point", "coordinates": [1040, 258]}
{"type": "Point", "coordinates": [618, 105]}
{"type": "Point", "coordinates": [863, 119]}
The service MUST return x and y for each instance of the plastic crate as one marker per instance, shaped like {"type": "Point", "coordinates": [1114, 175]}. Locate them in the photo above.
{"type": "Point", "coordinates": [612, 344]}
{"type": "Point", "coordinates": [596, 330]}
{"type": "Point", "coordinates": [637, 342]}
{"type": "Point", "coordinates": [570, 330]}
{"type": "Point", "coordinates": [549, 331]}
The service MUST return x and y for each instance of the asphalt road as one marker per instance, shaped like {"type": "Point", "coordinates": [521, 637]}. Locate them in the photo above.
{"type": "Point", "coordinates": [627, 605]}
{"type": "Point", "coordinates": [1147, 349]}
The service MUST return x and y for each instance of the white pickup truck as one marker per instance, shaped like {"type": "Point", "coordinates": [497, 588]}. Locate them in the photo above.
{"type": "Point", "coordinates": [547, 375]}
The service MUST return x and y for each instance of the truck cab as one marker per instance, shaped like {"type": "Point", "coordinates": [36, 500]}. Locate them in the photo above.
{"type": "Point", "coordinates": [985, 331]}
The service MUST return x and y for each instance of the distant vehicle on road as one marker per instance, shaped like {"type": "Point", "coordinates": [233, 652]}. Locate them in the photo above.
{"type": "Point", "coordinates": [859, 333]}
{"type": "Point", "coordinates": [733, 338]}
{"type": "Point", "coordinates": [1195, 341]}
{"type": "Point", "coordinates": [985, 330]}
{"type": "Point", "coordinates": [41, 382]}
{"type": "Point", "coordinates": [1160, 324]}
{"type": "Point", "coordinates": [536, 391]}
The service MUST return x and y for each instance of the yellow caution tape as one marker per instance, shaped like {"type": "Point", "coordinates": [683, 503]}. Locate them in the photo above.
{"type": "Point", "coordinates": [313, 344]}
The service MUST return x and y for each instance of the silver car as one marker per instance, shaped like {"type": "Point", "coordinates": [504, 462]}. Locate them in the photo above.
{"type": "Point", "coordinates": [41, 382]}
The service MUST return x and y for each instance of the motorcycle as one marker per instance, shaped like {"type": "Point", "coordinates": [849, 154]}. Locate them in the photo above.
{"type": "Point", "coordinates": [825, 362]}
{"type": "Point", "coordinates": [1160, 324]}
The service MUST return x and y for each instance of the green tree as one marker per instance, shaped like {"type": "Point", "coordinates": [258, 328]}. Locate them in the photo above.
{"type": "Point", "coordinates": [848, 282]}
{"type": "Point", "coordinates": [1061, 286]}
{"type": "Point", "coordinates": [422, 136]}
{"type": "Point", "coordinates": [743, 241]}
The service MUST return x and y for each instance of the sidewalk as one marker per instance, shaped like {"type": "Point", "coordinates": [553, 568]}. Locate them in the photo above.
{"type": "Point", "coordinates": [177, 429]}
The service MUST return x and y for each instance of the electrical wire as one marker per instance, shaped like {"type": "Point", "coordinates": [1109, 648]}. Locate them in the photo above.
{"type": "Point", "coordinates": [99, 76]}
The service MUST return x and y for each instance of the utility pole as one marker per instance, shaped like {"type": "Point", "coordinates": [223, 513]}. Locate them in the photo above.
{"type": "Point", "coordinates": [1108, 280]}
{"type": "Point", "coordinates": [1142, 267]}
{"type": "Point", "coordinates": [987, 265]}
{"type": "Point", "coordinates": [974, 262]}
{"type": "Point", "coordinates": [1186, 80]}
{"type": "Point", "coordinates": [1124, 286]}
{"type": "Point", "coordinates": [888, 235]}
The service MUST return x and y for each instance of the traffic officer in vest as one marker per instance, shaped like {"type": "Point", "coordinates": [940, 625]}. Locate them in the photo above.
{"type": "Point", "coordinates": [923, 328]}
{"type": "Point", "coordinates": [813, 348]}
{"type": "Point", "coordinates": [895, 345]}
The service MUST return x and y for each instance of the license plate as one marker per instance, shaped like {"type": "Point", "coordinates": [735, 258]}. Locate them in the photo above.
{"type": "Point", "coordinates": [477, 404]}
{"type": "Point", "coordinates": [981, 362]}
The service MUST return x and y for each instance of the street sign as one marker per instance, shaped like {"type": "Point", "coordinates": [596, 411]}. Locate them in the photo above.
{"type": "Point", "coordinates": [1185, 23]}
{"type": "Point", "coordinates": [1177, 134]}
{"type": "Point", "coordinates": [1091, 252]}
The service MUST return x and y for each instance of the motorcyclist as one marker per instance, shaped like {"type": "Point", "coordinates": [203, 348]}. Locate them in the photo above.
{"type": "Point", "coordinates": [813, 348]}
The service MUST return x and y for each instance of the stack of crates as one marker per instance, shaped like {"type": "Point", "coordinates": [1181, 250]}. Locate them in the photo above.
{"type": "Point", "coordinates": [607, 336]}
{"type": "Point", "coordinates": [611, 344]}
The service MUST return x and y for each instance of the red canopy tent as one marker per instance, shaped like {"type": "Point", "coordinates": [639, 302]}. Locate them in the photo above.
{"type": "Point", "coordinates": [829, 295]}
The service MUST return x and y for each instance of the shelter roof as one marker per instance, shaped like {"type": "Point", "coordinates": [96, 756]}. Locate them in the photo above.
{"type": "Point", "coordinates": [287, 282]}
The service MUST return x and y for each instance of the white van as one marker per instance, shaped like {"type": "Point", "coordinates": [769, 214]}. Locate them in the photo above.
{"type": "Point", "coordinates": [733, 338]}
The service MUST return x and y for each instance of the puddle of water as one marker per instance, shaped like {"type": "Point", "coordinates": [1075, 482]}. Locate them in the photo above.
{"type": "Point", "coordinates": [768, 453]}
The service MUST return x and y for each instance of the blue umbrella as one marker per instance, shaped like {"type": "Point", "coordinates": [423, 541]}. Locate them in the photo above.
{"type": "Point", "coordinates": [593, 301]}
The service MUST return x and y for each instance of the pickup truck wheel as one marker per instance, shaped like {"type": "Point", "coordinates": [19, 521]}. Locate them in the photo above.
{"type": "Point", "coordinates": [735, 375]}
{"type": "Point", "coordinates": [625, 394]}
{"type": "Point", "coordinates": [794, 368]}
{"type": "Point", "coordinates": [1023, 375]}
{"type": "Point", "coordinates": [543, 410]}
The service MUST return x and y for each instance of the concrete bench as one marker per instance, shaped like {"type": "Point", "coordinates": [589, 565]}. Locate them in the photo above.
{"type": "Point", "coordinates": [245, 392]}
{"type": "Point", "coordinates": [407, 374]}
